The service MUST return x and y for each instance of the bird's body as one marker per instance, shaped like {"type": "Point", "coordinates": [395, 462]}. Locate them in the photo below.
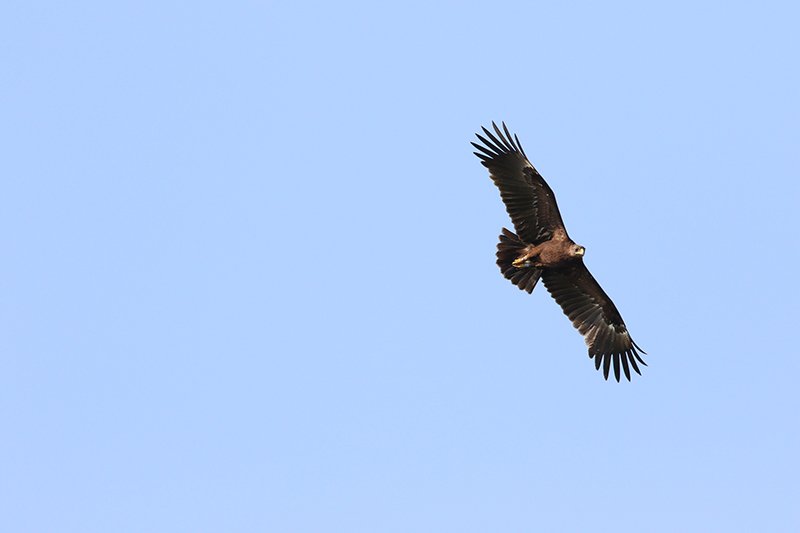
{"type": "Point", "coordinates": [542, 249]}
{"type": "Point", "coordinates": [556, 251]}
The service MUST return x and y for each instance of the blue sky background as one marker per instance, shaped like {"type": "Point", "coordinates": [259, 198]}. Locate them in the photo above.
{"type": "Point", "coordinates": [248, 277]}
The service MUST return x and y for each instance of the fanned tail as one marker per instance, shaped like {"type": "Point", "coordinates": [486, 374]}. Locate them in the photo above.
{"type": "Point", "coordinates": [508, 249]}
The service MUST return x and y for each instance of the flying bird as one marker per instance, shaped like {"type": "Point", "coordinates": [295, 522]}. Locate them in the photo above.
{"type": "Point", "coordinates": [542, 249]}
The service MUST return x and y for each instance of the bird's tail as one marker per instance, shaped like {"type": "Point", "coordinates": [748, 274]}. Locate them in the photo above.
{"type": "Point", "coordinates": [508, 249]}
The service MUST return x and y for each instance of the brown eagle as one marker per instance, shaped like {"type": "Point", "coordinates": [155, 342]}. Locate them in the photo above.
{"type": "Point", "coordinates": [542, 249]}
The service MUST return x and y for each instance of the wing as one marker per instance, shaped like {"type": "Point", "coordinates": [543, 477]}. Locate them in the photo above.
{"type": "Point", "coordinates": [594, 314]}
{"type": "Point", "coordinates": [529, 200]}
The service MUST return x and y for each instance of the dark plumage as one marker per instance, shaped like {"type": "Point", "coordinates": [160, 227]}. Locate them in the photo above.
{"type": "Point", "coordinates": [542, 249]}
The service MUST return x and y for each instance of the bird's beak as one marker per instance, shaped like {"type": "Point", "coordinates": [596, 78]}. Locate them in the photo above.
{"type": "Point", "coordinates": [581, 251]}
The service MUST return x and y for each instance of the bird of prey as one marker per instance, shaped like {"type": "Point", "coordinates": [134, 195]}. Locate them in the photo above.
{"type": "Point", "coordinates": [542, 249]}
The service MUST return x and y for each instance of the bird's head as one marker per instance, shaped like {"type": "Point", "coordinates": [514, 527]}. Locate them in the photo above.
{"type": "Point", "coordinates": [577, 250]}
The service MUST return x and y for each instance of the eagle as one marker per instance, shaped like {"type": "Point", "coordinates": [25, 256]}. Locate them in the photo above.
{"type": "Point", "coordinates": [542, 249]}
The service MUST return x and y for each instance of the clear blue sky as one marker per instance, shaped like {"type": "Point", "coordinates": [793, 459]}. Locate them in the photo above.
{"type": "Point", "coordinates": [248, 277]}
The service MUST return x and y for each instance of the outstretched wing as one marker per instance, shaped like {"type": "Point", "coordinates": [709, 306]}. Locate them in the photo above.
{"type": "Point", "coordinates": [529, 200]}
{"type": "Point", "coordinates": [594, 314]}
